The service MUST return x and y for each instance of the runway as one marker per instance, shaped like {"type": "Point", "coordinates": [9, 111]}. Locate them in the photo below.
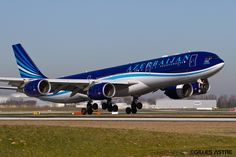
{"type": "Point", "coordinates": [119, 119]}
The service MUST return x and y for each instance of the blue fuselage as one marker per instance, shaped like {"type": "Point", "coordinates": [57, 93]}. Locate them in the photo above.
{"type": "Point", "coordinates": [149, 75]}
{"type": "Point", "coordinates": [180, 63]}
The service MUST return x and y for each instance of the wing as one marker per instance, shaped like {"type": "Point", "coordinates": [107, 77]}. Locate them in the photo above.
{"type": "Point", "coordinates": [82, 85]}
{"type": "Point", "coordinates": [74, 85]}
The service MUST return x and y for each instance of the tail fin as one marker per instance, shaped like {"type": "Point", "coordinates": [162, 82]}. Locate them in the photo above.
{"type": "Point", "coordinates": [26, 66]}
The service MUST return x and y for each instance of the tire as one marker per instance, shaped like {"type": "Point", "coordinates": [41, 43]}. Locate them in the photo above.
{"type": "Point", "coordinates": [90, 111]}
{"type": "Point", "coordinates": [115, 108]}
{"type": "Point", "coordinates": [139, 105]}
{"type": "Point", "coordinates": [110, 108]}
{"type": "Point", "coordinates": [133, 105]}
{"type": "Point", "coordinates": [134, 110]}
{"type": "Point", "coordinates": [104, 106]}
{"type": "Point", "coordinates": [89, 105]}
{"type": "Point", "coordinates": [95, 106]}
{"type": "Point", "coordinates": [83, 111]}
{"type": "Point", "coordinates": [128, 110]}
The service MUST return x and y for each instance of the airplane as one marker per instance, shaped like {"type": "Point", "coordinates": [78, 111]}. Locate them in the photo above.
{"type": "Point", "coordinates": [179, 76]}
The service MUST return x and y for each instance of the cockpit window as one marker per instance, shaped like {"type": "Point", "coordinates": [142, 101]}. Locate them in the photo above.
{"type": "Point", "coordinates": [207, 59]}
{"type": "Point", "coordinates": [213, 57]}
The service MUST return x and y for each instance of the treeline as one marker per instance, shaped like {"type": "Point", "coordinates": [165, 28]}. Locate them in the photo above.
{"type": "Point", "coordinates": [203, 97]}
{"type": "Point", "coordinates": [225, 101]}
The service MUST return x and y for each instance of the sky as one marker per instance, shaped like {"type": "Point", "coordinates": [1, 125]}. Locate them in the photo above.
{"type": "Point", "coordinates": [65, 37]}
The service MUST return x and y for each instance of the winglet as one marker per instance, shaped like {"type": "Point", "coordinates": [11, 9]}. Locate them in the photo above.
{"type": "Point", "coordinates": [26, 66]}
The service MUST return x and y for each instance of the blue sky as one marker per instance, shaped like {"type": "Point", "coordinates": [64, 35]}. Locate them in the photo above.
{"type": "Point", "coordinates": [67, 37]}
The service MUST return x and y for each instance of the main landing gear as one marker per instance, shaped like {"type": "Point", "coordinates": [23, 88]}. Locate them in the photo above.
{"type": "Point", "coordinates": [135, 105]}
{"type": "Point", "coordinates": [105, 106]}
{"type": "Point", "coordinates": [90, 108]}
{"type": "Point", "coordinates": [109, 107]}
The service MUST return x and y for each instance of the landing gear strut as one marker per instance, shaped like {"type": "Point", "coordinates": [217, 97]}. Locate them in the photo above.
{"type": "Point", "coordinates": [135, 105]}
{"type": "Point", "coordinates": [108, 106]}
{"type": "Point", "coordinates": [89, 109]}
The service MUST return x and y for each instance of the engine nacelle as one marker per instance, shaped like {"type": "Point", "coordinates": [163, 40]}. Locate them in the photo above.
{"type": "Point", "coordinates": [37, 88]}
{"type": "Point", "coordinates": [201, 87]}
{"type": "Point", "coordinates": [102, 91]}
{"type": "Point", "coordinates": [179, 91]}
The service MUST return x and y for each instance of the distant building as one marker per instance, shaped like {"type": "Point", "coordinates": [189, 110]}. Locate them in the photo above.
{"type": "Point", "coordinates": [186, 104]}
{"type": "Point", "coordinates": [57, 105]}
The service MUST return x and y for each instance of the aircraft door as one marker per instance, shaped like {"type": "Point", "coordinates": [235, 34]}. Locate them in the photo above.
{"type": "Point", "coordinates": [193, 60]}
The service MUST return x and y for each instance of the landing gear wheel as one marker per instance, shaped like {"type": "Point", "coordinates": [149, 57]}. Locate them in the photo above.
{"type": "Point", "coordinates": [109, 105]}
{"type": "Point", "coordinates": [110, 108]}
{"type": "Point", "coordinates": [83, 111]}
{"type": "Point", "coordinates": [95, 106]}
{"type": "Point", "coordinates": [104, 106]}
{"type": "Point", "coordinates": [134, 110]}
{"type": "Point", "coordinates": [115, 108]}
{"type": "Point", "coordinates": [89, 108]}
{"type": "Point", "coordinates": [139, 105]}
{"type": "Point", "coordinates": [128, 110]}
{"type": "Point", "coordinates": [90, 111]}
{"type": "Point", "coordinates": [133, 106]}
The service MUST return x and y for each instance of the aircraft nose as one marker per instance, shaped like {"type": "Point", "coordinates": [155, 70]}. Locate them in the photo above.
{"type": "Point", "coordinates": [221, 63]}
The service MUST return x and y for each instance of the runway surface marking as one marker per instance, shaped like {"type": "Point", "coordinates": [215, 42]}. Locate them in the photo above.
{"type": "Point", "coordinates": [122, 119]}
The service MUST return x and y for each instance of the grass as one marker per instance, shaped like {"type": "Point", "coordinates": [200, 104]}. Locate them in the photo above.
{"type": "Point", "coordinates": [55, 141]}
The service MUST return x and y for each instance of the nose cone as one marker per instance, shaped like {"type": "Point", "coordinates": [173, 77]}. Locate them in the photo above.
{"type": "Point", "coordinates": [221, 60]}
{"type": "Point", "coordinates": [221, 64]}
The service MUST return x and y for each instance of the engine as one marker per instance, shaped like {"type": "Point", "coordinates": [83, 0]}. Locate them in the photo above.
{"type": "Point", "coordinates": [37, 88]}
{"type": "Point", "coordinates": [102, 91]}
{"type": "Point", "coordinates": [179, 91]}
{"type": "Point", "coordinates": [202, 86]}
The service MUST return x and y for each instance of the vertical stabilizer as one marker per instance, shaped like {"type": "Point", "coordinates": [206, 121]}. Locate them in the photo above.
{"type": "Point", "coordinates": [26, 66]}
